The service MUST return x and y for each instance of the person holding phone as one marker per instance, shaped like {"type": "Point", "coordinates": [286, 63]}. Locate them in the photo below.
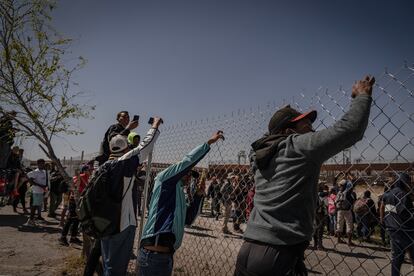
{"type": "Point", "coordinates": [122, 127]}
{"type": "Point", "coordinates": [169, 212]}
{"type": "Point", "coordinates": [116, 248]}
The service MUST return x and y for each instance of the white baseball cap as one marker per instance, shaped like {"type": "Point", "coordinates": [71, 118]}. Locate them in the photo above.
{"type": "Point", "coordinates": [118, 143]}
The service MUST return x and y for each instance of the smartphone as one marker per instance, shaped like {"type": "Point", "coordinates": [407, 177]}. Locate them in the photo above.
{"type": "Point", "coordinates": [151, 120]}
{"type": "Point", "coordinates": [136, 118]}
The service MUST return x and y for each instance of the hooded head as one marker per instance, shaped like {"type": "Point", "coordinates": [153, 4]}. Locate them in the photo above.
{"type": "Point", "coordinates": [288, 117]}
{"type": "Point", "coordinates": [284, 122]}
{"type": "Point", "coordinates": [134, 139]}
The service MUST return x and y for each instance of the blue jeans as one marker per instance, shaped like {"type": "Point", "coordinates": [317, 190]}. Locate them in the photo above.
{"type": "Point", "coordinates": [154, 264]}
{"type": "Point", "coordinates": [116, 251]}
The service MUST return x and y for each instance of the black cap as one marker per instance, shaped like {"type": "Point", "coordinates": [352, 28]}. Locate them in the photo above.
{"type": "Point", "coordinates": [287, 115]}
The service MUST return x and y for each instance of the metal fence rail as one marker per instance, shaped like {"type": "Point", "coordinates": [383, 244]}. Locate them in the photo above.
{"type": "Point", "coordinates": [211, 245]}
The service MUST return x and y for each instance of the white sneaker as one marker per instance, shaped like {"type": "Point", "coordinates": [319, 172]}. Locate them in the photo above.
{"type": "Point", "coordinates": [30, 223]}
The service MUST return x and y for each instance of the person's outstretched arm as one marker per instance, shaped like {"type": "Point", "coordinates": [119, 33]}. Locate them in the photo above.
{"type": "Point", "coordinates": [176, 171]}
{"type": "Point", "coordinates": [321, 145]}
{"type": "Point", "coordinates": [132, 158]}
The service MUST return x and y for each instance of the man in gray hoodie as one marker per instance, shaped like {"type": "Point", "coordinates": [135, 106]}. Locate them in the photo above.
{"type": "Point", "coordinates": [288, 160]}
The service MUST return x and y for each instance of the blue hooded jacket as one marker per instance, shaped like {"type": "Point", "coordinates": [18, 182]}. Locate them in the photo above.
{"type": "Point", "coordinates": [168, 211]}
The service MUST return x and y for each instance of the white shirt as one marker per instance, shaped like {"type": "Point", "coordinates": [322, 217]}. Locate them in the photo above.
{"type": "Point", "coordinates": [127, 212]}
{"type": "Point", "coordinates": [128, 215]}
{"type": "Point", "coordinates": [38, 176]}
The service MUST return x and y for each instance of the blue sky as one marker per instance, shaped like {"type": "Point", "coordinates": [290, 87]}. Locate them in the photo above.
{"type": "Point", "coordinates": [188, 60]}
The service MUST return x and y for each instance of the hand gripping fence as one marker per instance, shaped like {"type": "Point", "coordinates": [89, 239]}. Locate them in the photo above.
{"type": "Point", "coordinates": [210, 246]}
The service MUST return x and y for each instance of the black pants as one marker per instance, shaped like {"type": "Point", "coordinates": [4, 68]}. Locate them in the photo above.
{"type": "Point", "coordinates": [22, 197]}
{"type": "Point", "coordinates": [92, 264]}
{"type": "Point", "coordinates": [55, 200]}
{"type": "Point", "coordinates": [256, 259]}
{"type": "Point", "coordinates": [238, 216]}
{"type": "Point", "coordinates": [401, 241]}
{"type": "Point", "coordinates": [319, 226]}
{"type": "Point", "coordinates": [74, 222]}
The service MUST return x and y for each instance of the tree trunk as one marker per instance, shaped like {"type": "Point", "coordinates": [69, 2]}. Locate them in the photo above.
{"type": "Point", "coordinates": [50, 153]}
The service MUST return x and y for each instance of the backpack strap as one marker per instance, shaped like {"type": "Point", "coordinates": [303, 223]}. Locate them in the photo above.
{"type": "Point", "coordinates": [129, 185]}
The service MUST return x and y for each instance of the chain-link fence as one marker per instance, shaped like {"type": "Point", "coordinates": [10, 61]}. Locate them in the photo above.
{"type": "Point", "coordinates": [211, 244]}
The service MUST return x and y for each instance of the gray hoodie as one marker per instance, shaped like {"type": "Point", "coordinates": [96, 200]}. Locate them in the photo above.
{"type": "Point", "coordinates": [286, 190]}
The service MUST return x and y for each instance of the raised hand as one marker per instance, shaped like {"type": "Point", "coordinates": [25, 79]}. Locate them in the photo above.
{"type": "Point", "coordinates": [216, 136]}
{"type": "Point", "coordinates": [157, 121]}
{"type": "Point", "coordinates": [132, 125]}
{"type": "Point", "coordinates": [363, 87]}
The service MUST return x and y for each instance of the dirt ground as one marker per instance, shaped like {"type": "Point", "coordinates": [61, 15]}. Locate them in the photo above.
{"type": "Point", "coordinates": [33, 250]}
{"type": "Point", "coordinates": [205, 251]}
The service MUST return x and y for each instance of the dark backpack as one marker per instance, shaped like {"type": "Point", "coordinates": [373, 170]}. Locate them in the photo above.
{"type": "Point", "coordinates": [98, 211]}
{"type": "Point", "coordinates": [341, 202]}
{"type": "Point", "coordinates": [361, 207]}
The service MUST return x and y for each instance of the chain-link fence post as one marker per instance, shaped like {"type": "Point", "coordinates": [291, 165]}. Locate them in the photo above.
{"type": "Point", "coordinates": [143, 208]}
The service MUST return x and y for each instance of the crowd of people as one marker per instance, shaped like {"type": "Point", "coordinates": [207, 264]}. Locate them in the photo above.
{"type": "Point", "coordinates": [232, 198]}
{"type": "Point", "coordinates": [280, 201]}
{"type": "Point", "coordinates": [231, 192]}
{"type": "Point", "coordinates": [339, 209]}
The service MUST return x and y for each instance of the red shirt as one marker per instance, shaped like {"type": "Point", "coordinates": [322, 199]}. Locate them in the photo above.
{"type": "Point", "coordinates": [84, 177]}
